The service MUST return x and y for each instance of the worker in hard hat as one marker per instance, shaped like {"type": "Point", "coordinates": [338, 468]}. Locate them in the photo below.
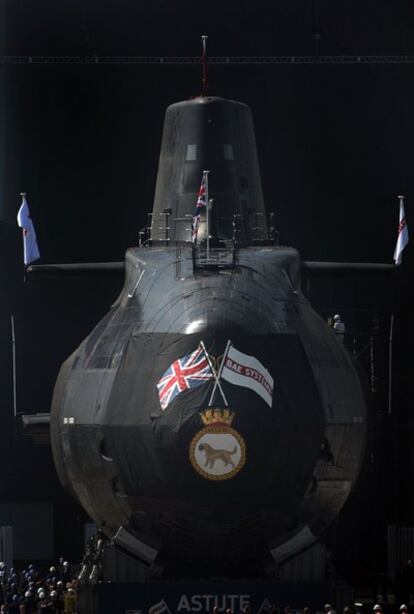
{"type": "Point", "coordinates": [338, 327]}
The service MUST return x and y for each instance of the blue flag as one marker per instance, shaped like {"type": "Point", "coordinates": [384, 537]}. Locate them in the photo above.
{"type": "Point", "coordinates": [31, 249]}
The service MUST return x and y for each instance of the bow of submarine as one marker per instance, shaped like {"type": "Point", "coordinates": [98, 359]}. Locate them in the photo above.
{"type": "Point", "coordinates": [131, 463]}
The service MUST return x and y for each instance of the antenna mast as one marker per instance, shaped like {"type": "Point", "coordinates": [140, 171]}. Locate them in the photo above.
{"type": "Point", "coordinates": [204, 63]}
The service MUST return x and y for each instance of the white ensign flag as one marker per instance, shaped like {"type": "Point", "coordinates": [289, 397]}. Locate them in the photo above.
{"type": "Point", "coordinates": [402, 238]}
{"type": "Point", "coordinates": [243, 370]}
{"type": "Point", "coordinates": [31, 250]}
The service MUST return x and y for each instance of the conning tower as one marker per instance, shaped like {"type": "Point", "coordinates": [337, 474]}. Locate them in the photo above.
{"type": "Point", "coordinates": [215, 134]}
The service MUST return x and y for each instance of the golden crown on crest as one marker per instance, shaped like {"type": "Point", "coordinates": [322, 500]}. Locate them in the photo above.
{"type": "Point", "coordinates": [214, 415]}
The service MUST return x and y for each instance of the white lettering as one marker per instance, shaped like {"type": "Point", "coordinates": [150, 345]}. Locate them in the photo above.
{"type": "Point", "coordinates": [183, 604]}
{"type": "Point", "coordinates": [232, 599]}
{"type": "Point", "coordinates": [199, 603]}
{"type": "Point", "coordinates": [196, 603]}
{"type": "Point", "coordinates": [244, 602]}
{"type": "Point", "coordinates": [208, 599]}
{"type": "Point", "coordinates": [217, 604]}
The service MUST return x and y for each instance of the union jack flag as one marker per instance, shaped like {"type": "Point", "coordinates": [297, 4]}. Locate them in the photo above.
{"type": "Point", "coordinates": [201, 202]}
{"type": "Point", "coordinates": [187, 372]}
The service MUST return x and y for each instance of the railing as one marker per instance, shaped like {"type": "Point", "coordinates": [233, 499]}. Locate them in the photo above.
{"type": "Point", "coordinates": [219, 258]}
{"type": "Point", "coordinates": [182, 227]}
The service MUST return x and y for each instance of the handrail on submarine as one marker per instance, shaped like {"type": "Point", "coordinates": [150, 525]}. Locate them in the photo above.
{"type": "Point", "coordinates": [311, 268]}
{"type": "Point", "coordinates": [116, 270]}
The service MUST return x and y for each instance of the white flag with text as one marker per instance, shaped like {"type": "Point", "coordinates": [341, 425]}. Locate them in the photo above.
{"type": "Point", "coordinates": [244, 370]}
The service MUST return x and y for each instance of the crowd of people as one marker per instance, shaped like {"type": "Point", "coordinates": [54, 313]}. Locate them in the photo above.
{"type": "Point", "coordinates": [33, 591]}
{"type": "Point", "coordinates": [360, 608]}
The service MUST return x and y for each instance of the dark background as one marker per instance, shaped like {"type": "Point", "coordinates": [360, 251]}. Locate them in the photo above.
{"type": "Point", "coordinates": [335, 145]}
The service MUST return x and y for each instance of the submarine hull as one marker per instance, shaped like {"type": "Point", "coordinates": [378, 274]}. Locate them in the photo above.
{"type": "Point", "coordinates": [219, 478]}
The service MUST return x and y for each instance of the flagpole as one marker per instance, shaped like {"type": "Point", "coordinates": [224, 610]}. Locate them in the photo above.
{"type": "Point", "coordinates": [226, 351]}
{"type": "Point", "coordinates": [390, 365]}
{"type": "Point", "coordinates": [204, 38]}
{"type": "Point", "coordinates": [14, 366]}
{"type": "Point", "coordinates": [216, 377]}
{"type": "Point", "coordinates": [402, 235]}
{"type": "Point", "coordinates": [23, 195]}
{"type": "Point", "coordinates": [30, 246]}
{"type": "Point", "coordinates": [205, 173]}
{"type": "Point", "coordinates": [210, 210]}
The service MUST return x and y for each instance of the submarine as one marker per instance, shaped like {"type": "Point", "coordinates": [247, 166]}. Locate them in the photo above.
{"type": "Point", "coordinates": [211, 423]}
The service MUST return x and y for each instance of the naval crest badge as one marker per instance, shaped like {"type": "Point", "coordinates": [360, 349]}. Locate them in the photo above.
{"type": "Point", "coordinates": [217, 452]}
